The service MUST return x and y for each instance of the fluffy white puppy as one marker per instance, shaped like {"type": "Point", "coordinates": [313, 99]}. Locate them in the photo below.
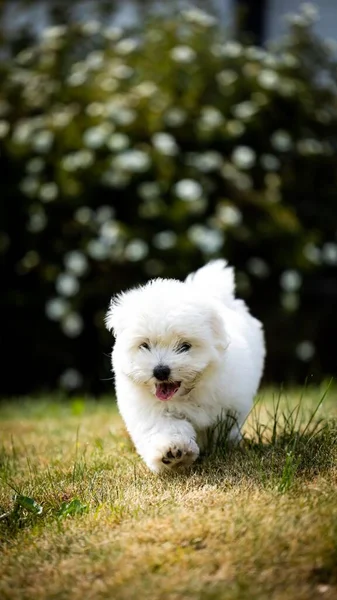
{"type": "Point", "coordinates": [186, 354]}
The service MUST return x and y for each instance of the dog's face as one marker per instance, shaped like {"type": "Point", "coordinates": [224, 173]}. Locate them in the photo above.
{"type": "Point", "coordinates": [167, 339]}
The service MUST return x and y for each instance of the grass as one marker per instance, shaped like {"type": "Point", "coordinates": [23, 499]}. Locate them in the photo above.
{"type": "Point", "coordinates": [82, 517]}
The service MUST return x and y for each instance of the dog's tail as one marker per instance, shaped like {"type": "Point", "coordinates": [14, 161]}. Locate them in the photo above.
{"type": "Point", "coordinates": [217, 279]}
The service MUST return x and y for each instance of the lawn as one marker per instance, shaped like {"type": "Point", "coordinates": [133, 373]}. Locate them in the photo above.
{"type": "Point", "coordinates": [81, 517]}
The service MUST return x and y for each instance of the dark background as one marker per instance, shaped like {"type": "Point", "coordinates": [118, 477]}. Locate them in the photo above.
{"type": "Point", "coordinates": [252, 129]}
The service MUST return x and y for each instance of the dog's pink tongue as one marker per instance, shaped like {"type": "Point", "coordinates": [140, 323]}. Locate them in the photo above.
{"type": "Point", "coordinates": [165, 391]}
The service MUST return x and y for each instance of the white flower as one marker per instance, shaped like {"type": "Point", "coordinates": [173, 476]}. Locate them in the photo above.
{"type": "Point", "coordinates": [122, 71]}
{"type": "Point", "coordinates": [331, 45]}
{"type": "Point", "coordinates": [107, 84]}
{"type": "Point", "coordinates": [297, 20]}
{"type": "Point", "coordinates": [72, 325]}
{"type": "Point", "coordinates": [104, 213]}
{"type": "Point", "coordinates": [268, 79]}
{"type": "Point", "coordinates": [84, 158]}
{"type": "Point", "coordinates": [98, 250]}
{"type": "Point", "coordinates": [209, 161]}
{"type": "Point", "coordinates": [165, 143]}
{"type": "Point", "coordinates": [42, 141]}
{"type": "Point", "coordinates": [183, 54]}
{"type": "Point", "coordinates": [231, 49]}
{"type": "Point", "coordinates": [67, 285]}
{"type": "Point", "coordinates": [164, 240]}
{"type": "Point", "coordinates": [126, 46]}
{"type": "Point", "coordinates": [208, 240]}
{"type": "Point", "coordinates": [211, 117]}
{"type": "Point", "coordinates": [22, 132]}
{"type": "Point", "coordinates": [77, 78]}
{"type": "Point", "coordinates": [136, 250]}
{"type": "Point", "coordinates": [271, 61]}
{"type": "Point", "coordinates": [95, 137]}
{"type": "Point", "coordinates": [110, 232]}
{"type": "Point", "coordinates": [4, 128]}
{"type": "Point", "coordinates": [243, 157]}
{"type": "Point", "coordinates": [54, 32]}
{"type": "Point", "coordinates": [198, 17]}
{"type": "Point", "coordinates": [290, 301]}
{"type": "Point", "coordinates": [29, 186]}
{"type": "Point", "coordinates": [35, 165]}
{"type": "Point", "coordinates": [281, 140]}
{"type": "Point", "coordinates": [77, 160]}
{"type": "Point", "coordinates": [69, 163]}
{"type": "Point", "coordinates": [95, 109]}
{"type": "Point", "coordinates": [310, 11]}
{"type": "Point", "coordinates": [229, 215]}
{"type": "Point", "coordinates": [95, 59]}
{"type": "Point", "coordinates": [84, 215]}
{"type": "Point", "coordinates": [37, 222]}
{"type": "Point", "coordinates": [255, 53]}
{"type": "Point", "coordinates": [149, 190]}
{"type": "Point", "coordinates": [48, 192]}
{"type": "Point", "coordinates": [175, 116]}
{"type": "Point", "coordinates": [122, 115]}
{"type": "Point", "coordinates": [91, 27]}
{"type": "Point", "coordinates": [329, 253]}
{"type": "Point", "coordinates": [30, 260]}
{"type": "Point", "coordinates": [309, 146]}
{"type": "Point", "coordinates": [145, 89]}
{"type": "Point", "coordinates": [291, 280]}
{"type": "Point", "coordinates": [61, 118]}
{"type": "Point", "coordinates": [258, 267]}
{"type": "Point", "coordinates": [305, 350]}
{"type": "Point", "coordinates": [235, 128]}
{"type": "Point", "coordinates": [227, 77]}
{"type": "Point", "coordinates": [205, 162]}
{"type": "Point", "coordinates": [113, 33]}
{"type": "Point", "coordinates": [71, 379]}
{"type": "Point", "coordinates": [135, 161]}
{"type": "Point", "coordinates": [118, 141]}
{"type": "Point", "coordinates": [312, 253]}
{"type": "Point", "coordinates": [270, 162]}
{"type": "Point", "coordinates": [76, 262]}
{"type": "Point", "coordinates": [56, 308]}
{"type": "Point", "coordinates": [244, 110]}
{"type": "Point", "coordinates": [116, 179]}
{"type": "Point", "coordinates": [25, 56]}
{"type": "Point", "coordinates": [188, 190]}
{"type": "Point", "coordinates": [289, 60]}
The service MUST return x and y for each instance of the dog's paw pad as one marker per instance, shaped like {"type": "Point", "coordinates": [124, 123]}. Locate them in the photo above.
{"type": "Point", "coordinates": [175, 456]}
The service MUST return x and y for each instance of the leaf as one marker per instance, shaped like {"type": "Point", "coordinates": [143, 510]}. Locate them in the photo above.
{"type": "Point", "coordinates": [29, 504]}
{"type": "Point", "coordinates": [69, 509]}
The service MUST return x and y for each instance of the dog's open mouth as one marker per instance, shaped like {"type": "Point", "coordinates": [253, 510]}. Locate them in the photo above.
{"type": "Point", "coordinates": [165, 390]}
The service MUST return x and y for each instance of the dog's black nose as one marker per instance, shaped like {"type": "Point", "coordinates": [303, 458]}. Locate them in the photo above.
{"type": "Point", "coordinates": [162, 372]}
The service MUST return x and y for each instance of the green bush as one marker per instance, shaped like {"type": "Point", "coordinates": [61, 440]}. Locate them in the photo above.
{"type": "Point", "coordinates": [129, 157]}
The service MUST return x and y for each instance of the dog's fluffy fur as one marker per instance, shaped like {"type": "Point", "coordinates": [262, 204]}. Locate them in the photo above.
{"type": "Point", "coordinates": [209, 353]}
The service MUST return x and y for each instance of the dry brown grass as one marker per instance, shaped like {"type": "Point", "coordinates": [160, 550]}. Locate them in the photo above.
{"type": "Point", "coordinates": [244, 524]}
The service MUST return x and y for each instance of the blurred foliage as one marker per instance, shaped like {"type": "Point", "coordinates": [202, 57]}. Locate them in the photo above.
{"type": "Point", "coordinates": [129, 157]}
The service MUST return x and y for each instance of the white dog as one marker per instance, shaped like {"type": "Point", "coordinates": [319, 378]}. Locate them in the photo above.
{"type": "Point", "coordinates": [186, 354]}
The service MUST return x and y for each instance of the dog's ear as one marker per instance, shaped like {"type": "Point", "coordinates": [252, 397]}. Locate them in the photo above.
{"type": "Point", "coordinates": [114, 316]}
{"type": "Point", "coordinates": [219, 331]}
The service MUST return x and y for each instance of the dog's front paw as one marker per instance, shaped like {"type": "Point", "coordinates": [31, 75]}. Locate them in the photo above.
{"type": "Point", "coordinates": [175, 455]}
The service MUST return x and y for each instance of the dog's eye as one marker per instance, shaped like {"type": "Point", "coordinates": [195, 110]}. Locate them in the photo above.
{"type": "Point", "coordinates": [145, 346]}
{"type": "Point", "coordinates": [184, 347]}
